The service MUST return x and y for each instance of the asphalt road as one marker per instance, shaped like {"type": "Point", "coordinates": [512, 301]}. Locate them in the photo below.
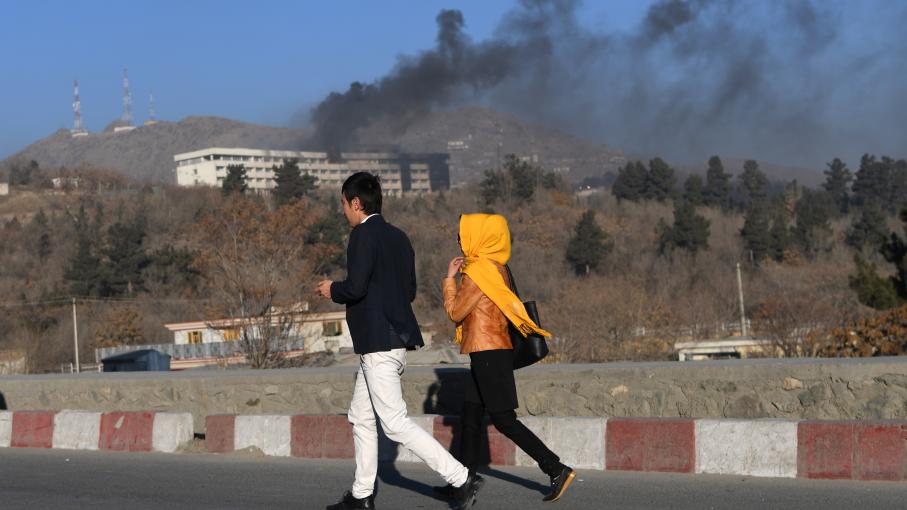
{"type": "Point", "coordinates": [57, 479]}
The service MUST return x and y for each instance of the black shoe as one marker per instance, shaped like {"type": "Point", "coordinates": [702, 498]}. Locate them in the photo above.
{"type": "Point", "coordinates": [350, 503]}
{"type": "Point", "coordinates": [445, 492]}
{"type": "Point", "coordinates": [465, 495]}
{"type": "Point", "coordinates": [560, 483]}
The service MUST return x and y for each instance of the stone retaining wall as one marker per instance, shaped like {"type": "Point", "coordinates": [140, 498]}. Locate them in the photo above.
{"type": "Point", "coordinates": [829, 389]}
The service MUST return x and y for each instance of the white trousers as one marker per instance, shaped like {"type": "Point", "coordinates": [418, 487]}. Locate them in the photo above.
{"type": "Point", "coordinates": [378, 393]}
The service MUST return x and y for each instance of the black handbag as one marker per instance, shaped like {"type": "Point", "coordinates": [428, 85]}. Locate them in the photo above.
{"type": "Point", "coordinates": [527, 350]}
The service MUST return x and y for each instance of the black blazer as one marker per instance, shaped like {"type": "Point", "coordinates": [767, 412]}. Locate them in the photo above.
{"type": "Point", "coordinates": [379, 288]}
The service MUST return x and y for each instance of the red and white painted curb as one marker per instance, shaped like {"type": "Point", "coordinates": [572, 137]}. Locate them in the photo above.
{"type": "Point", "coordinates": [83, 430]}
{"type": "Point", "coordinates": [858, 450]}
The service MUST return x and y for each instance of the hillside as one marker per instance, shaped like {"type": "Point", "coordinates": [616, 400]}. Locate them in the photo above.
{"type": "Point", "coordinates": [472, 136]}
{"type": "Point", "coordinates": [475, 138]}
{"type": "Point", "coordinates": [146, 153]}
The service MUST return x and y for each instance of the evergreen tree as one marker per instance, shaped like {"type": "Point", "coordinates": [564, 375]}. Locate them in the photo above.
{"type": "Point", "coordinates": [872, 290]}
{"type": "Point", "coordinates": [236, 180]}
{"type": "Point", "coordinates": [872, 183]}
{"type": "Point", "coordinates": [125, 258]}
{"type": "Point", "coordinates": [717, 190]}
{"type": "Point", "coordinates": [493, 187]}
{"type": "Point", "coordinates": [693, 190]}
{"type": "Point", "coordinates": [660, 181]}
{"type": "Point", "coordinates": [588, 246]}
{"type": "Point", "coordinates": [899, 184]}
{"type": "Point", "coordinates": [41, 229]}
{"type": "Point", "coordinates": [689, 232]}
{"type": "Point", "coordinates": [876, 291]}
{"type": "Point", "coordinates": [173, 267]}
{"type": "Point", "coordinates": [753, 184]}
{"type": "Point", "coordinates": [779, 236]}
{"type": "Point", "coordinates": [523, 177]}
{"type": "Point", "coordinates": [812, 229]}
{"type": "Point", "coordinates": [84, 273]}
{"type": "Point", "coordinates": [290, 183]}
{"type": "Point", "coordinates": [837, 184]}
{"type": "Point", "coordinates": [630, 183]}
{"type": "Point", "coordinates": [869, 230]}
{"type": "Point", "coordinates": [757, 239]}
{"type": "Point", "coordinates": [895, 252]}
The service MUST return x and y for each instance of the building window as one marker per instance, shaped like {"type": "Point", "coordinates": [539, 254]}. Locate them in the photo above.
{"type": "Point", "coordinates": [231, 335]}
{"type": "Point", "coordinates": [195, 337]}
{"type": "Point", "coordinates": [331, 328]}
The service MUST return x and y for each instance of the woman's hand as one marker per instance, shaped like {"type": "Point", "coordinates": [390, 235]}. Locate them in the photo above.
{"type": "Point", "coordinates": [454, 267]}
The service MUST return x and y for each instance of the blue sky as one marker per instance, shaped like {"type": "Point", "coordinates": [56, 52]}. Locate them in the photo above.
{"type": "Point", "coordinates": [253, 61]}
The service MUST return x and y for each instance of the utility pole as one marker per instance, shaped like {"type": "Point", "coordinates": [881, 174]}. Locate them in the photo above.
{"type": "Point", "coordinates": [740, 292]}
{"type": "Point", "coordinates": [75, 334]}
{"type": "Point", "coordinates": [127, 99]}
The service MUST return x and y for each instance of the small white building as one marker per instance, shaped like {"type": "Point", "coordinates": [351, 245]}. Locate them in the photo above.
{"type": "Point", "coordinates": [4, 189]}
{"type": "Point", "coordinates": [310, 332]}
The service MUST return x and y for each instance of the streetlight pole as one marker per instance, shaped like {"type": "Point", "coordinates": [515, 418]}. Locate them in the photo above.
{"type": "Point", "coordinates": [743, 331]}
{"type": "Point", "coordinates": [75, 334]}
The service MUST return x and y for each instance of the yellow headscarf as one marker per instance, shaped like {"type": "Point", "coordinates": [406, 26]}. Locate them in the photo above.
{"type": "Point", "coordinates": [485, 239]}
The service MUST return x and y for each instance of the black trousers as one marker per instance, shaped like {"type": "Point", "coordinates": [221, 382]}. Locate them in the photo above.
{"type": "Point", "coordinates": [492, 389]}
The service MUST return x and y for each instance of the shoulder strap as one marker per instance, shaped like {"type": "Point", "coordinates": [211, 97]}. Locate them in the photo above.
{"type": "Point", "coordinates": [512, 281]}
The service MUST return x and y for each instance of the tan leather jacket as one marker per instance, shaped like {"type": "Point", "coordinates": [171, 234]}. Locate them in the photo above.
{"type": "Point", "coordinates": [484, 325]}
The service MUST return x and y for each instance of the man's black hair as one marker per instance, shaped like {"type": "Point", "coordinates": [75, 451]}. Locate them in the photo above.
{"type": "Point", "coordinates": [366, 187]}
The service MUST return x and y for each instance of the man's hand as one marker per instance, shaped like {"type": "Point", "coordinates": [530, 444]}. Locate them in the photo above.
{"type": "Point", "coordinates": [324, 289]}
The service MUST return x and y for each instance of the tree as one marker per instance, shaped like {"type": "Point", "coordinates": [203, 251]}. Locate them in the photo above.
{"type": "Point", "coordinates": [753, 184]}
{"type": "Point", "coordinates": [125, 258]}
{"type": "Point", "coordinates": [895, 252]}
{"type": "Point", "coordinates": [236, 180]}
{"type": "Point", "coordinates": [779, 236]}
{"type": "Point", "coordinates": [757, 239]}
{"type": "Point", "coordinates": [869, 230]}
{"type": "Point", "coordinates": [291, 183]}
{"type": "Point", "coordinates": [837, 184]}
{"type": "Point", "coordinates": [689, 232]}
{"type": "Point", "coordinates": [84, 272]}
{"type": "Point", "coordinates": [588, 246]}
{"type": "Point", "coordinates": [872, 183]}
{"type": "Point", "coordinates": [123, 326]}
{"type": "Point", "coordinates": [876, 291]}
{"type": "Point", "coordinates": [630, 183]}
{"type": "Point", "coordinates": [23, 174]}
{"type": "Point", "coordinates": [693, 190]}
{"type": "Point", "coordinates": [717, 190]}
{"type": "Point", "coordinates": [523, 176]}
{"type": "Point", "coordinates": [495, 185]}
{"type": "Point", "coordinates": [255, 265]}
{"type": "Point", "coordinates": [812, 228]}
{"type": "Point", "coordinates": [41, 232]}
{"type": "Point", "coordinates": [660, 181]}
{"type": "Point", "coordinates": [872, 290]}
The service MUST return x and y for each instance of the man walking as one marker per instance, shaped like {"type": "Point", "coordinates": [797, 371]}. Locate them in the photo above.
{"type": "Point", "coordinates": [378, 293]}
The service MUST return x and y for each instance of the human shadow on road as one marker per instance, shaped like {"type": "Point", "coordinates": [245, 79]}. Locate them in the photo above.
{"type": "Point", "coordinates": [445, 398]}
{"type": "Point", "coordinates": [2, 402]}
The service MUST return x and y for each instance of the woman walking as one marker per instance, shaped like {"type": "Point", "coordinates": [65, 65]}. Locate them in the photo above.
{"type": "Point", "coordinates": [482, 307]}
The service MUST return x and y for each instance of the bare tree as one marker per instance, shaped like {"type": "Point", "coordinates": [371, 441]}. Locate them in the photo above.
{"type": "Point", "coordinates": [258, 267]}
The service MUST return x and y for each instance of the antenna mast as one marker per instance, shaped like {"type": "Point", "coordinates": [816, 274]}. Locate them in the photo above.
{"type": "Point", "coordinates": [77, 128]}
{"type": "Point", "coordinates": [127, 99]}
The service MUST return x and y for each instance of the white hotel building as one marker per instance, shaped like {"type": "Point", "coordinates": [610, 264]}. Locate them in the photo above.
{"type": "Point", "coordinates": [399, 172]}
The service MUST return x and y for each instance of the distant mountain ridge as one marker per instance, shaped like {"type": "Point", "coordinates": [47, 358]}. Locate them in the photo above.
{"type": "Point", "coordinates": [476, 138]}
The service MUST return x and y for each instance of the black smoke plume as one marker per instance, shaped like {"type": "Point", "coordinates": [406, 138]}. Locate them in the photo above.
{"type": "Point", "coordinates": [790, 81]}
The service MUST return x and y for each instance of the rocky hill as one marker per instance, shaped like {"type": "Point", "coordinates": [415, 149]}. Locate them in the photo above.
{"type": "Point", "coordinates": [146, 152]}
{"type": "Point", "coordinates": [476, 138]}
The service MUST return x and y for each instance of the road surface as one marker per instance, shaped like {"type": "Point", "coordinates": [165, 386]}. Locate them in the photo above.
{"type": "Point", "coordinates": [59, 479]}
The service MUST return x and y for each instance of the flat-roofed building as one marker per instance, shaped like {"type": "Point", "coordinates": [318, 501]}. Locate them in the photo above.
{"type": "Point", "coordinates": [399, 172]}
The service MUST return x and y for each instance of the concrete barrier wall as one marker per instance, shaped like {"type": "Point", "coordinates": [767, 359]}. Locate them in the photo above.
{"type": "Point", "coordinates": [829, 389]}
